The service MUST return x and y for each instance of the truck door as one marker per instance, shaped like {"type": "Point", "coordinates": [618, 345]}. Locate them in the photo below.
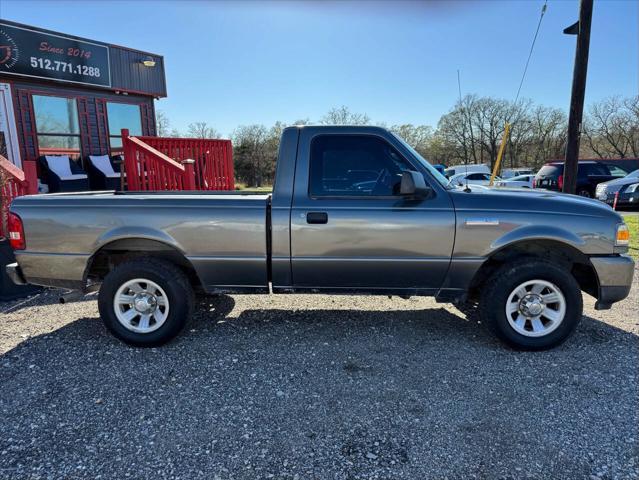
{"type": "Point", "coordinates": [351, 228]}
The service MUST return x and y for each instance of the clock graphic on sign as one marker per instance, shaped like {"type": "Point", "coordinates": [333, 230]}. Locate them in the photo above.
{"type": "Point", "coordinates": [9, 52]}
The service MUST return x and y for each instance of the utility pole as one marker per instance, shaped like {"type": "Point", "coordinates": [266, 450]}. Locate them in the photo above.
{"type": "Point", "coordinates": [582, 30]}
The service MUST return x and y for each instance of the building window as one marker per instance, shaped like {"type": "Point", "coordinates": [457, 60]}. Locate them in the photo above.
{"type": "Point", "coordinates": [57, 127]}
{"type": "Point", "coordinates": [123, 115]}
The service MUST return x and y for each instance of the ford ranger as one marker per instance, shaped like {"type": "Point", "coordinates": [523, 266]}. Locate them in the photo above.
{"type": "Point", "coordinates": [354, 210]}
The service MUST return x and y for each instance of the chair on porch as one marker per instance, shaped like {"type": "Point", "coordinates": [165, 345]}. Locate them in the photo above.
{"type": "Point", "coordinates": [104, 172]}
{"type": "Point", "coordinates": [63, 174]}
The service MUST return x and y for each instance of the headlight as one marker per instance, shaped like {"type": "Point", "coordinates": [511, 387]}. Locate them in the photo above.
{"type": "Point", "coordinates": [622, 237]}
{"type": "Point", "coordinates": [632, 188]}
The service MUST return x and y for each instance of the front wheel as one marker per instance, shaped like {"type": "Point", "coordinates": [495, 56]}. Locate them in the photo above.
{"type": "Point", "coordinates": [532, 304]}
{"type": "Point", "coordinates": [145, 302]}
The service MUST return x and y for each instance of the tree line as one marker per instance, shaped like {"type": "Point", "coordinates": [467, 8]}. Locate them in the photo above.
{"type": "Point", "coordinates": [472, 131]}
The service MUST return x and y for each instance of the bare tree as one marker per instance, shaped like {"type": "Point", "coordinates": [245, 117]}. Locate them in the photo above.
{"type": "Point", "coordinates": [474, 130]}
{"type": "Point", "coordinates": [417, 136]}
{"type": "Point", "coordinates": [343, 116]}
{"type": "Point", "coordinates": [202, 130]}
{"type": "Point", "coordinates": [548, 142]}
{"type": "Point", "coordinates": [521, 132]}
{"type": "Point", "coordinates": [611, 128]}
{"type": "Point", "coordinates": [162, 123]}
{"type": "Point", "coordinates": [632, 107]}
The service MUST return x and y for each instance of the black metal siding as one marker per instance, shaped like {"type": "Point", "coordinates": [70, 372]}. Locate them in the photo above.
{"type": "Point", "coordinates": [128, 73]}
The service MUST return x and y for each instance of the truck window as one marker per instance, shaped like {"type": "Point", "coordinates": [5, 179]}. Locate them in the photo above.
{"type": "Point", "coordinates": [355, 165]}
{"type": "Point", "coordinates": [477, 176]}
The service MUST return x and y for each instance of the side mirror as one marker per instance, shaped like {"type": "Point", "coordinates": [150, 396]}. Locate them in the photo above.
{"type": "Point", "coordinates": [413, 184]}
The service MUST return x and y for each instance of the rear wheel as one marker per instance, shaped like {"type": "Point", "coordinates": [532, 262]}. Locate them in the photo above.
{"type": "Point", "coordinates": [583, 192]}
{"type": "Point", "coordinates": [532, 304]}
{"type": "Point", "coordinates": [145, 302]}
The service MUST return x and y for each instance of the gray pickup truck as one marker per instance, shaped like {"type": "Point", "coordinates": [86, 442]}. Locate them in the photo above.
{"type": "Point", "coordinates": [354, 210]}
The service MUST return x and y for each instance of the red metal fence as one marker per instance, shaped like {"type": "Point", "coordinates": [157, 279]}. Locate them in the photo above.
{"type": "Point", "coordinates": [158, 163]}
{"type": "Point", "coordinates": [13, 183]}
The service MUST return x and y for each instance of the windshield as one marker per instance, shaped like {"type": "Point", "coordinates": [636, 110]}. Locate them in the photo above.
{"type": "Point", "coordinates": [432, 170]}
{"type": "Point", "coordinates": [550, 170]}
{"type": "Point", "coordinates": [456, 178]}
{"type": "Point", "coordinates": [634, 174]}
{"type": "Point", "coordinates": [519, 178]}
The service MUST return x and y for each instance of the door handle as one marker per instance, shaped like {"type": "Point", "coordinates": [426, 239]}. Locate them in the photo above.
{"type": "Point", "coordinates": [317, 217]}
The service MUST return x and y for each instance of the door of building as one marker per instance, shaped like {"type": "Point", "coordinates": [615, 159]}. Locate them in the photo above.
{"type": "Point", "coordinates": [8, 135]}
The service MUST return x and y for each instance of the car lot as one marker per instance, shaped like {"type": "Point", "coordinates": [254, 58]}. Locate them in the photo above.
{"type": "Point", "coordinates": [315, 387]}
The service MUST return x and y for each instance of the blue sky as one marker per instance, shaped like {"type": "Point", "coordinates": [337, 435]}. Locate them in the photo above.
{"type": "Point", "coordinates": [243, 62]}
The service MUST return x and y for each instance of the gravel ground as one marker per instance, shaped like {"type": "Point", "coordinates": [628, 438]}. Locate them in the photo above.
{"type": "Point", "coordinates": [305, 387]}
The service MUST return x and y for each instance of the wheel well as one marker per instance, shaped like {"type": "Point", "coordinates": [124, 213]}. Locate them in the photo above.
{"type": "Point", "coordinates": [566, 256]}
{"type": "Point", "coordinates": [119, 251]}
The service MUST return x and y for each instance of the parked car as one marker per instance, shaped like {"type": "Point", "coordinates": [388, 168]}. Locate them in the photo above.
{"type": "Point", "coordinates": [476, 178]}
{"type": "Point", "coordinates": [470, 168]}
{"type": "Point", "coordinates": [508, 173]}
{"type": "Point", "coordinates": [626, 189]}
{"type": "Point", "coordinates": [521, 181]}
{"type": "Point", "coordinates": [524, 257]}
{"type": "Point", "coordinates": [589, 174]}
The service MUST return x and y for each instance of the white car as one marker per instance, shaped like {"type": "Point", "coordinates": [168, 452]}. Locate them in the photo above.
{"type": "Point", "coordinates": [521, 181]}
{"type": "Point", "coordinates": [474, 178]}
{"type": "Point", "coordinates": [470, 168]}
{"type": "Point", "coordinates": [509, 173]}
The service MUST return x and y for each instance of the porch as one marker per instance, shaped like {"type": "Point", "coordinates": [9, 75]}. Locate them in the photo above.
{"type": "Point", "coordinates": [148, 164]}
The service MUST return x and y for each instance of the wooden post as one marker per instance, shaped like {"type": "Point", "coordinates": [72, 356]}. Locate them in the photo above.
{"type": "Point", "coordinates": [230, 171]}
{"type": "Point", "coordinates": [31, 176]}
{"type": "Point", "coordinates": [582, 29]}
{"type": "Point", "coordinates": [500, 154]}
{"type": "Point", "coordinates": [132, 175]}
{"type": "Point", "coordinates": [189, 173]}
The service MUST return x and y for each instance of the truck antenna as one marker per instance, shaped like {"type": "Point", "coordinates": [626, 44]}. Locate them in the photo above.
{"type": "Point", "coordinates": [461, 109]}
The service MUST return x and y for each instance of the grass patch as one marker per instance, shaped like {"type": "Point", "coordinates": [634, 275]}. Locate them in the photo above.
{"type": "Point", "coordinates": [263, 189]}
{"type": "Point", "coordinates": [633, 225]}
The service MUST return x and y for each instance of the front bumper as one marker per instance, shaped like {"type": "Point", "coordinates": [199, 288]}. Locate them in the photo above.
{"type": "Point", "coordinates": [15, 274]}
{"type": "Point", "coordinates": [614, 275]}
{"type": "Point", "coordinates": [622, 199]}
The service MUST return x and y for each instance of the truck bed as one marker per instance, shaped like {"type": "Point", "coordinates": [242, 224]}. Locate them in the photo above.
{"type": "Point", "coordinates": [222, 234]}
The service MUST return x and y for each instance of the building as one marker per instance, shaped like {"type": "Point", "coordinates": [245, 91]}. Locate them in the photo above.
{"type": "Point", "coordinates": [62, 94]}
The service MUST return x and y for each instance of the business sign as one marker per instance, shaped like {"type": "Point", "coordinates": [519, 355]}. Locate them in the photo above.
{"type": "Point", "coordinates": [31, 53]}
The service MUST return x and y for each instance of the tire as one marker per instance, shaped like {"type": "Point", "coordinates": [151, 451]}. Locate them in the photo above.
{"type": "Point", "coordinates": [164, 296]}
{"type": "Point", "coordinates": [500, 293]}
{"type": "Point", "coordinates": [583, 192]}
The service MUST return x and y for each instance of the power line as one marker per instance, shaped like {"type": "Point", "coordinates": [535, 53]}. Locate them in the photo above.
{"type": "Point", "coordinates": [541, 17]}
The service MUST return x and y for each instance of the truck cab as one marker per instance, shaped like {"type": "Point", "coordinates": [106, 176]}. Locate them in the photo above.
{"type": "Point", "coordinates": [348, 223]}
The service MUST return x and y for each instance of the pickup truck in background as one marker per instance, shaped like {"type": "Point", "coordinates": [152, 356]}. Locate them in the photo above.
{"type": "Point", "coordinates": [354, 210]}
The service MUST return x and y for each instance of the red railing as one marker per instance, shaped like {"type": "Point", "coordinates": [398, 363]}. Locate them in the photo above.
{"type": "Point", "coordinates": [157, 163]}
{"type": "Point", "coordinates": [13, 183]}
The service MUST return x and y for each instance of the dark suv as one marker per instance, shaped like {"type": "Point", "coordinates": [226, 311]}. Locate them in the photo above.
{"type": "Point", "coordinates": [589, 174]}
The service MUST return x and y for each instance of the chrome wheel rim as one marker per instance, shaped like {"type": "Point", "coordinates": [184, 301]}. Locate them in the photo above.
{"type": "Point", "coordinates": [141, 305]}
{"type": "Point", "coordinates": [535, 308]}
